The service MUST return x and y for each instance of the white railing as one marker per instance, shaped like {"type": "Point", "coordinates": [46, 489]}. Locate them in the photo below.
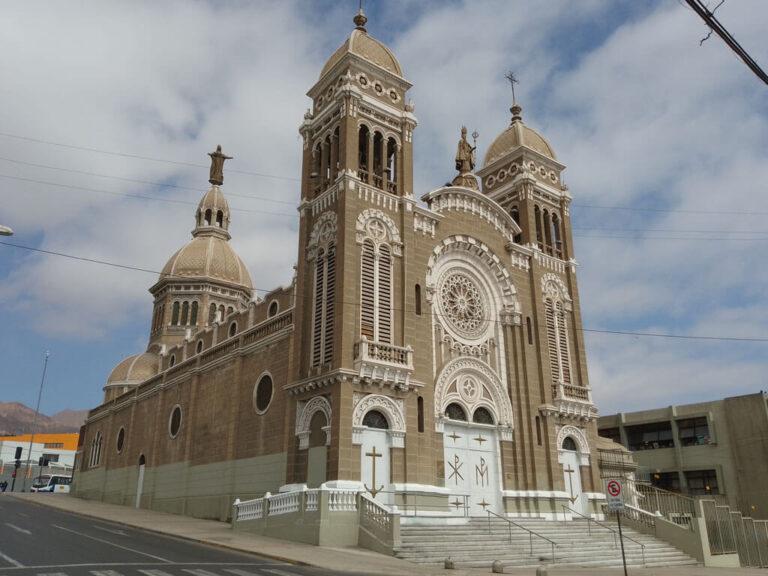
{"type": "Point", "coordinates": [374, 515]}
{"type": "Point", "coordinates": [342, 500]}
{"type": "Point", "coordinates": [554, 264]}
{"type": "Point", "coordinates": [284, 503]}
{"type": "Point", "coordinates": [389, 353]}
{"type": "Point", "coordinates": [248, 510]}
{"type": "Point", "coordinates": [313, 500]}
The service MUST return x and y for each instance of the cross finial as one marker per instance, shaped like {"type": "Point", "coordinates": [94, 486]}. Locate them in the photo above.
{"type": "Point", "coordinates": [360, 19]}
{"type": "Point", "coordinates": [512, 81]}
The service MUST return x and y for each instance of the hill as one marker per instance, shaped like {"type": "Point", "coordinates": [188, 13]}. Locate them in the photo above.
{"type": "Point", "coordinates": [16, 418]}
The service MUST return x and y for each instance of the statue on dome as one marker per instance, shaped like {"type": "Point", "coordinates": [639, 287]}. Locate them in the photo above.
{"type": "Point", "coordinates": [465, 161]}
{"type": "Point", "coordinates": [217, 166]}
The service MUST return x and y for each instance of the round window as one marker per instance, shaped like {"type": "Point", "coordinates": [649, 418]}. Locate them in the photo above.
{"type": "Point", "coordinates": [262, 393]}
{"type": "Point", "coordinates": [463, 305]}
{"type": "Point", "coordinates": [378, 87]}
{"type": "Point", "coordinates": [120, 440]}
{"type": "Point", "coordinates": [274, 307]}
{"type": "Point", "coordinates": [174, 422]}
{"type": "Point", "coordinates": [393, 95]}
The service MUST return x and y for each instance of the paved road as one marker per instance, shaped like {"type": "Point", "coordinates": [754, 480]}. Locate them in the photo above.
{"type": "Point", "coordinates": [40, 541]}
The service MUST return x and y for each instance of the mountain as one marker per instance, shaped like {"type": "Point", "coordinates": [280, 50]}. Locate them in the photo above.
{"type": "Point", "coordinates": [16, 418]}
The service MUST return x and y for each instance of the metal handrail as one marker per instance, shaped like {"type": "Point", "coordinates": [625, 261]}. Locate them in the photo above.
{"type": "Point", "coordinates": [615, 532]}
{"type": "Point", "coordinates": [531, 533]}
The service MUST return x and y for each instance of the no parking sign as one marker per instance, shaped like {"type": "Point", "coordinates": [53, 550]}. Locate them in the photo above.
{"type": "Point", "coordinates": [615, 500]}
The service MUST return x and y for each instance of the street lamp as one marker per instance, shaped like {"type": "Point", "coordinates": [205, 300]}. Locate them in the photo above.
{"type": "Point", "coordinates": [5, 231]}
{"type": "Point", "coordinates": [34, 422]}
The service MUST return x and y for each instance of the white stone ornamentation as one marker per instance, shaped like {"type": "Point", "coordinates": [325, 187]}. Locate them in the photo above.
{"type": "Point", "coordinates": [578, 436]}
{"type": "Point", "coordinates": [463, 304]}
{"type": "Point", "coordinates": [377, 226]}
{"type": "Point", "coordinates": [393, 410]}
{"type": "Point", "coordinates": [323, 233]}
{"type": "Point", "coordinates": [304, 413]}
{"type": "Point", "coordinates": [472, 384]}
{"type": "Point", "coordinates": [552, 285]}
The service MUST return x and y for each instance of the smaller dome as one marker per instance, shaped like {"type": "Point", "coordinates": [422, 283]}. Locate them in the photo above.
{"type": "Point", "coordinates": [208, 257]}
{"type": "Point", "coordinates": [518, 134]}
{"type": "Point", "coordinates": [368, 48]}
{"type": "Point", "coordinates": [134, 369]}
{"type": "Point", "coordinates": [212, 214]}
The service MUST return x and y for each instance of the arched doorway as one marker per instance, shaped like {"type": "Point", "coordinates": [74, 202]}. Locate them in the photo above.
{"type": "Point", "coordinates": [471, 448]}
{"type": "Point", "coordinates": [375, 456]}
{"type": "Point", "coordinates": [570, 458]}
{"type": "Point", "coordinates": [140, 480]}
{"type": "Point", "coordinates": [317, 453]}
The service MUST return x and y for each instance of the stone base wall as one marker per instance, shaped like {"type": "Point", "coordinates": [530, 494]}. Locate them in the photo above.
{"type": "Point", "coordinates": [203, 491]}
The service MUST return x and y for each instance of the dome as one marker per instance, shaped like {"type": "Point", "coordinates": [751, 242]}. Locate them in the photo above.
{"type": "Point", "coordinates": [134, 369]}
{"type": "Point", "coordinates": [208, 257]}
{"type": "Point", "coordinates": [368, 48]}
{"type": "Point", "coordinates": [518, 134]}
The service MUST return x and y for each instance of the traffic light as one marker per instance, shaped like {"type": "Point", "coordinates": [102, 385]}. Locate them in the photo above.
{"type": "Point", "coordinates": [19, 450]}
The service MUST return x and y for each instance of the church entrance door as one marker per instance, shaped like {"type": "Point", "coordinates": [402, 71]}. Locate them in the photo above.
{"type": "Point", "coordinates": [570, 460]}
{"type": "Point", "coordinates": [472, 468]}
{"type": "Point", "coordinates": [374, 461]}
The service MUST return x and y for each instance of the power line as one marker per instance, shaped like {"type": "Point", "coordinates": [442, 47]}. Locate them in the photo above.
{"type": "Point", "coordinates": [670, 230]}
{"type": "Point", "coordinates": [357, 304]}
{"type": "Point", "coordinates": [672, 210]}
{"type": "Point", "coordinates": [147, 182]}
{"type": "Point", "coordinates": [139, 157]}
{"type": "Point", "coordinates": [713, 23]}
{"type": "Point", "coordinates": [136, 196]}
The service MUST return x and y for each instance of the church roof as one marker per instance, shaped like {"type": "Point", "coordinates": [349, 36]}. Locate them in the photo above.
{"type": "Point", "coordinates": [518, 134]}
{"type": "Point", "coordinates": [134, 369]}
{"type": "Point", "coordinates": [368, 48]}
{"type": "Point", "coordinates": [208, 257]}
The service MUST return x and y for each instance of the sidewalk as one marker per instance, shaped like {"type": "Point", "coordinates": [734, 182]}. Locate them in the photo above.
{"type": "Point", "coordinates": [338, 560]}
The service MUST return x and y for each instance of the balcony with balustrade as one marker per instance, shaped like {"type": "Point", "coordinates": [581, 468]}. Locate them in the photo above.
{"type": "Point", "coordinates": [381, 363]}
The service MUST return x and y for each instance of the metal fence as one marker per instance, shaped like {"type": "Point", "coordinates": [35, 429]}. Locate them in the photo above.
{"type": "Point", "coordinates": [729, 532]}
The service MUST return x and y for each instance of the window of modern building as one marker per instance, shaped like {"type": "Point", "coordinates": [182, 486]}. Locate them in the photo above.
{"type": "Point", "coordinates": [650, 436]}
{"type": "Point", "coordinates": [666, 481]}
{"type": "Point", "coordinates": [693, 431]}
{"type": "Point", "coordinates": [701, 482]}
{"type": "Point", "coordinates": [54, 445]}
{"type": "Point", "coordinates": [611, 433]}
{"type": "Point", "coordinates": [50, 457]}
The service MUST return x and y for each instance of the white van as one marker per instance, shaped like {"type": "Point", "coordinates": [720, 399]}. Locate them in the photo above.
{"type": "Point", "coordinates": [51, 483]}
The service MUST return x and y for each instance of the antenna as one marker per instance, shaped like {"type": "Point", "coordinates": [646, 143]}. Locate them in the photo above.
{"type": "Point", "coordinates": [512, 81]}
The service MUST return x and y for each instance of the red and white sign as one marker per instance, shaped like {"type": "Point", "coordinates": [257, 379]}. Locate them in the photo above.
{"type": "Point", "coordinates": [615, 501]}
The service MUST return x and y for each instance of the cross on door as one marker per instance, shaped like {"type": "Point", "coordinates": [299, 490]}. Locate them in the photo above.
{"type": "Point", "coordinates": [570, 472]}
{"type": "Point", "coordinates": [373, 455]}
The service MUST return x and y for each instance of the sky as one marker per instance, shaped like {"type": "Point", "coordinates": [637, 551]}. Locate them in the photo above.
{"type": "Point", "coordinates": [665, 140]}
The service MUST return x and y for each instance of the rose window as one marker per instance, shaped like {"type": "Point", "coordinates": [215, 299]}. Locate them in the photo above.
{"type": "Point", "coordinates": [463, 305]}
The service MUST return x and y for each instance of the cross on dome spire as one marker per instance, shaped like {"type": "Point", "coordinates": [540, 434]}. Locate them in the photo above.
{"type": "Point", "coordinates": [516, 109]}
{"type": "Point", "coordinates": [360, 18]}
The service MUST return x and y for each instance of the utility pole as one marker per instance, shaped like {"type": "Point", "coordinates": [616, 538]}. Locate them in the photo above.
{"type": "Point", "coordinates": [34, 422]}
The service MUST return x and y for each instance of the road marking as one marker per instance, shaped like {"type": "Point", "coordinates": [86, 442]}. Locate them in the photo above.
{"type": "Point", "coordinates": [237, 572]}
{"type": "Point", "coordinates": [105, 573]}
{"type": "Point", "coordinates": [11, 561]}
{"type": "Point", "coordinates": [112, 544]}
{"type": "Point", "coordinates": [199, 572]}
{"type": "Point", "coordinates": [279, 572]}
{"type": "Point", "coordinates": [51, 574]}
{"type": "Point", "coordinates": [154, 573]}
{"type": "Point", "coordinates": [118, 532]}
{"type": "Point", "coordinates": [22, 530]}
{"type": "Point", "coordinates": [18, 566]}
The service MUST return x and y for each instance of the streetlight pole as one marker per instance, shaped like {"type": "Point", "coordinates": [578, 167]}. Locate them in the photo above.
{"type": "Point", "coordinates": [5, 231]}
{"type": "Point", "coordinates": [34, 422]}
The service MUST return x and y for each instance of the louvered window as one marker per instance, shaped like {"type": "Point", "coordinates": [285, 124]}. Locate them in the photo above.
{"type": "Point", "coordinates": [368, 291]}
{"type": "Point", "coordinates": [376, 293]}
{"type": "Point", "coordinates": [317, 328]}
{"type": "Point", "coordinates": [557, 340]}
{"type": "Point", "coordinates": [330, 294]}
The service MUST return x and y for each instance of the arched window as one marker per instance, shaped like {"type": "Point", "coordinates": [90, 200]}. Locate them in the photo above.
{"type": "Point", "coordinates": [220, 219]}
{"type": "Point", "coordinates": [326, 169]}
{"type": "Point", "coordinates": [556, 236]}
{"type": "Point", "coordinates": [547, 232]}
{"type": "Point", "coordinates": [376, 292]}
{"type": "Point", "coordinates": [363, 150]}
{"type": "Point", "coordinates": [317, 313]}
{"type": "Point", "coordinates": [539, 234]}
{"type": "Point", "coordinates": [314, 176]}
{"type": "Point", "coordinates": [529, 329]}
{"type": "Point", "coordinates": [515, 213]}
{"type": "Point", "coordinates": [324, 306]}
{"type": "Point", "coordinates": [199, 347]}
{"type": "Point", "coordinates": [417, 298]}
{"type": "Point", "coordinates": [199, 218]}
{"type": "Point", "coordinates": [335, 154]}
{"type": "Point", "coordinates": [456, 412]}
{"type": "Point", "coordinates": [95, 458]}
{"type": "Point", "coordinates": [172, 361]}
{"type": "Point", "coordinates": [538, 430]}
{"type": "Point", "coordinates": [211, 314]}
{"type": "Point", "coordinates": [375, 419]}
{"type": "Point", "coordinates": [184, 313]}
{"type": "Point", "coordinates": [482, 416]}
{"type": "Point", "coordinates": [222, 310]}
{"type": "Point", "coordinates": [193, 314]}
{"type": "Point", "coordinates": [208, 217]}
{"type": "Point", "coordinates": [570, 444]}
{"type": "Point", "coordinates": [378, 159]}
{"type": "Point", "coordinates": [329, 301]}
{"type": "Point", "coordinates": [230, 310]}
{"type": "Point", "coordinates": [175, 314]}
{"type": "Point", "coordinates": [391, 166]}
{"type": "Point", "coordinates": [232, 329]}
{"type": "Point", "coordinates": [557, 341]}
{"type": "Point", "coordinates": [420, 413]}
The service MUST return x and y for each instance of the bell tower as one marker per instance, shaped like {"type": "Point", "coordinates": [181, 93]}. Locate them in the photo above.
{"type": "Point", "coordinates": [357, 155]}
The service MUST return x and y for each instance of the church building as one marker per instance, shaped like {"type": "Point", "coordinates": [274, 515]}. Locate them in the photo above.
{"type": "Point", "coordinates": [429, 346]}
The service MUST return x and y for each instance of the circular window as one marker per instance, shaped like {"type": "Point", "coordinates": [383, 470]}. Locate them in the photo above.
{"type": "Point", "coordinates": [393, 95]}
{"type": "Point", "coordinates": [378, 87]}
{"type": "Point", "coordinates": [262, 394]}
{"type": "Point", "coordinates": [463, 305]}
{"type": "Point", "coordinates": [174, 422]}
{"type": "Point", "coordinates": [199, 347]}
{"type": "Point", "coordinates": [274, 308]}
{"type": "Point", "coordinates": [120, 440]}
{"type": "Point", "coordinates": [363, 80]}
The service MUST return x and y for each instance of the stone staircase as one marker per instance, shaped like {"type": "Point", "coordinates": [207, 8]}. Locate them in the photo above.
{"type": "Point", "coordinates": [470, 544]}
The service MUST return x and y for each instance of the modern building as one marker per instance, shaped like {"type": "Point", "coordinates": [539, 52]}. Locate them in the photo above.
{"type": "Point", "coordinates": [717, 448]}
{"type": "Point", "coordinates": [426, 349]}
{"type": "Point", "coordinates": [58, 451]}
